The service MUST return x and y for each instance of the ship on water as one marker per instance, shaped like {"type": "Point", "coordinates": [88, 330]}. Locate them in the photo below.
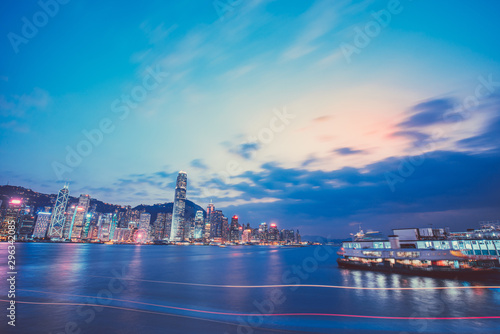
{"type": "Point", "coordinates": [426, 251]}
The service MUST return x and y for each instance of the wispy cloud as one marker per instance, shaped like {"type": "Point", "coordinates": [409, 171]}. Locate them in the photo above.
{"type": "Point", "coordinates": [20, 105]}
{"type": "Point", "coordinates": [347, 151]}
{"type": "Point", "coordinates": [315, 23]}
{"type": "Point", "coordinates": [429, 113]}
{"type": "Point", "coordinates": [16, 110]}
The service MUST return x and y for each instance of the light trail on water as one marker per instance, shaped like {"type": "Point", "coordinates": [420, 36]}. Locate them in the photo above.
{"type": "Point", "coordinates": [301, 314]}
{"type": "Point", "coordinates": [304, 285]}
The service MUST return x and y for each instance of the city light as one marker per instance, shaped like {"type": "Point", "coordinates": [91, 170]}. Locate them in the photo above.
{"type": "Point", "coordinates": [15, 201]}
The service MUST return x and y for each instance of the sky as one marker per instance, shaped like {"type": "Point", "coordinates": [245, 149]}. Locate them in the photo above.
{"type": "Point", "coordinates": [315, 115]}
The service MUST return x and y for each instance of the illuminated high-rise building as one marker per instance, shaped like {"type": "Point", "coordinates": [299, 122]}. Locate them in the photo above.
{"type": "Point", "coordinates": [199, 225]}
{"type": "Point", "coordinates": [218, 226]}
{"type": "Point", "coordinates": [178, 218]}
{"type": "Point", "coordinates": [159, 227]}
{"type": "Point", "coordinates": [42, 224]}
{"type": "Point", "coordinates": [225, 228]}
{"type": "Point", "coordinates": [144, 221]}
{"type": "Point", "coordinates": [234, 231]}
{"type": "Point", "coordinates": [58, 214]}
{"type": "Point", "coordinates": [10, 217]}
{"type": "Point", "coordinates": [274, 233]}
{"type": "Point", "coordinates": [168, 226]}
{"type": "Point", "coordinates": [288, 236]}
{"type": "Point", "coordinates": [69, 220]}
{"type": "Point", "coordinates": [263, 232]}
{"type": "Point", "coordinates": [208, 230]}
{"type": "Point", "coordinates": [88, 220]}
{"type": "Point", "coordinates": [105, 225]}
{"type": "Point", "coordinates": [80, 217]}
{"type": "Point", "coordinates": [114, 224]}
{"type": "Point", "coordinates": [247, 234]}
{"type": "Point", "coordinates": [26, 227]}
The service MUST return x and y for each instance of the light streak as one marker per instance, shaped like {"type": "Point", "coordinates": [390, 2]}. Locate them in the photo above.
{"type": "Point", "coordinates": [254, 314]}
{"type": "Point", "coordinates": [309, 285]}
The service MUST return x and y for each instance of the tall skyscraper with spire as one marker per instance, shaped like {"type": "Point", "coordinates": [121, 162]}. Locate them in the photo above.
{"type": "Point", "coordinates": [58, 215]}
{"type": "Point", "coordinates": [178, 219]}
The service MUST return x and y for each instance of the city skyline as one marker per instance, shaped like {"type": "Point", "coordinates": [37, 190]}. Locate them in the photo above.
{"type": "Point", "coordinates": [82, 222]}
{"type": "Point", "coordinates": [323, 122]}
{"type": "Point", "coordinates": [250, 166]}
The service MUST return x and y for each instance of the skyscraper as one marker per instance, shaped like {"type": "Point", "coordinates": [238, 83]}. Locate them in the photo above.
{"type": "Point", "coordinates": [225, 228]}
{"type": "Point", "coordinates": [11, 216]}
{"type": "Point", "coordinates": [144, 221]}
{"type": "Point", "coordinates": [58, 215]}
{"type": "Point", "coordinates": [105, 223]}
{"type": "Point", "coordinates": [159, 226]}
{"type": "Point", "coordinates": [42, 223]}
{"type": "Point", "coordinates": [208, 231]}
{"type": "Point", "coordinates": [218, 224]}
{"type": "Point", "coordinates": [273, 234]}
{"type": "Point", "coordinates": [26, 227]}
{"type": "Point", "coordinates": [263, 232]}
{"type": "Point", "coordinates": [80, 217]}
{"type": "Point", "coordinates": [168, 226]}
{"type": "Point", "coordinates": [178, 219]}
{"type": "Point", "coordinates": [234, 232]}
{"type": "Point", "coordinates": [199, 224]}
{"type": "Point", "coordinates": [69, 221]}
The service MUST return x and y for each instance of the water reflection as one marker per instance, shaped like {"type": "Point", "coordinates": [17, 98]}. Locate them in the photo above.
{"type": "Point", "coordinates": [79, 269]}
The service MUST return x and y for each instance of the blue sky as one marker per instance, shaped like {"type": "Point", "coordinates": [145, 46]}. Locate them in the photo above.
{"type": "Point", "coordinates": [311, 114]}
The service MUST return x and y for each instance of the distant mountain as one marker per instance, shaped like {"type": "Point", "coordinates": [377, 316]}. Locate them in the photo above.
{"type": "Point", "coordinates": [41, 200]}
{"type": "Point", "coordinates": [34, 198]}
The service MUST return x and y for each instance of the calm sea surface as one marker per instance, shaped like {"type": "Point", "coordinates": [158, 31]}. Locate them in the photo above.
{"type": "Point", "coordinates": [83, 288]}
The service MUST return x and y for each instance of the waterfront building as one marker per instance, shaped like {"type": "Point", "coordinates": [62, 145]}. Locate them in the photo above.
{"type": "Point", "coordinates": [246, 236]}
{"type": "Point", "coordinates": [225, 228]}
{"type": "Point", "coordinates": [58, 217]}
{"type": "Point", "coordinates": [121, 234]}
{"type": "Point", "coordinates": [273, 234]}
{"type": "Point", "coordinates": [208, 231]}
{"type": "Point", "coordinates": [11, 215]}
{"type": "Point", "coordinates": [178, 212]}
{"type": "Point", "coordinates": [86, 225]}
{"type": "Point", "coordinates": [113, 227]}
{"type": "Point", "coordinates": [105, 222]}
{"type": "Point", "coordinates": [92, 219]}
{"type": "Point", "coordinates": [216, 222]}
{"type": "Point", "coordinates": [168, 226]}
{"type": "Point", "coordinates": [234, 231]}
{"type": "Point", "coordinates": [199, 224]}
{"type": "Point", "coordinates": [41, 225]}
{"type": "Point", "coordinates": [93, 234]}
{"type": "Point", "coordinates": [159, 227]}
{"type": "Point", "coordinates": [144, 221]}
{"type": "Point", "coordinates": [287, 236]}
{"type": "Point", "coordinates": [26, 227]}
{"type": "Point", "coordinates": [263, 232]}
{"type": "Point", "coordinates": [80, 217]}
{"type": "Point", "coordinates": [69, 220]}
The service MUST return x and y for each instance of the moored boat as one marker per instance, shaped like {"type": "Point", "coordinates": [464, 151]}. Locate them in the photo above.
{"type": "Point", "coordinates": [425, 251]}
